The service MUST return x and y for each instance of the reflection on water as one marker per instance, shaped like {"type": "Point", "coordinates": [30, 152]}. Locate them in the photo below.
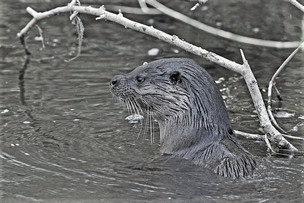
{"type": "Point", "coordinates": [63, 137]}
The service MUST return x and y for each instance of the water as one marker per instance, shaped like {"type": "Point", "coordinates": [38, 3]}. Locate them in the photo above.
{"type": "Point", "coordinates": [64, 138]}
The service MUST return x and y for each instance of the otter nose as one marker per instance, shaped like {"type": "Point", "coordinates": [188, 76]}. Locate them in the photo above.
{"type": "Point", "coordinates": [115, 80]}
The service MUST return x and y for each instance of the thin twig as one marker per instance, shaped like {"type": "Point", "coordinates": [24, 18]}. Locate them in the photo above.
{"type": "Point", "coordinates": [293, 137]}
{"type": "Point", "coordinates": [41, 36]}
{"type": "Point", "coordinates": [249, 135]}
{"type": "Point", "coordinates": [195, 7]}
{"type": "Point", "coordinates": [23, 42]}
{"type": "Point", "coordinates": [279, 96]}
{"type": "Point", "coordinates": [285, 62]}
{"type": "Point", "coordinates": [268, 143]}
{"type": "Point", "coordinates": [80, 31]}
{"type": "Point", "coordinates": [143, 6]}
{"type": "Point", "coordinates": [273, 120]}
{"type": "Point", "coordinates": [73, 3]}
{"type": "Point", "coordinates": [199, 2]}
{"type": "Point", "coordinates": [272, 83]}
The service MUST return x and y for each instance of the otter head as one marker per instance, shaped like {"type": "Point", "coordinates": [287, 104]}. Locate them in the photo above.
{"type": "Point", "coordinates": [181, 96]}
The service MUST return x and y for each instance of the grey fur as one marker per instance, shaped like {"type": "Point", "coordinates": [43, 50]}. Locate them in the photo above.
{"type": "Point", "coordinates": [193, 120]}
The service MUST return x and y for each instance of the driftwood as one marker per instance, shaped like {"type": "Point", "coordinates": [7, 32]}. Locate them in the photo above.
{"type": "Point", "coordinates": [271, 133]}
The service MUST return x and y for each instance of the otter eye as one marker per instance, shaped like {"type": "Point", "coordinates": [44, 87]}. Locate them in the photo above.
{"type": "Point", "coordinates": [140, 79]}
{"type": "Point", "coordinates": [175, 77]}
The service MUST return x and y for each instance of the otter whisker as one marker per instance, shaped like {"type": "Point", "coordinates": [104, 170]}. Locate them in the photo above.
{"type": "Point", "coordinates": [156, 110]}
{"type": "Point", "coordinates": [140, 131]}
{"type": "Point", "coordinates": [127, 103]}
{"type": "Point", "coordinates": [137, 109]}
{"type": "Point", "coordinates": [143, 126]}
{"type": "Point", "coordinates": [133, 111]}
{"type": "Point", "coordinates": [151, 126]}
{"type": "Point", "coordinates": [131, 106]}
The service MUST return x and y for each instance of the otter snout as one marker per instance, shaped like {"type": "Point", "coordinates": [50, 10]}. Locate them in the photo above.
{"type": "Point", "coordinates": [116, 80]}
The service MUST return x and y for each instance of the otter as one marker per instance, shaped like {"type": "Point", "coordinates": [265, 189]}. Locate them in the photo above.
{"type": "Point", "coordinates": [193, 120]}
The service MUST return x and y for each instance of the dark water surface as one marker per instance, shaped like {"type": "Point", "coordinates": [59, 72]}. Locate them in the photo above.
{"type": "Point", "coordinates": [64, 138]}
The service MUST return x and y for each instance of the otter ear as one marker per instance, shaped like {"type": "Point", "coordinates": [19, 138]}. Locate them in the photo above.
{"type": "Point", "coordinates": [175, 77]}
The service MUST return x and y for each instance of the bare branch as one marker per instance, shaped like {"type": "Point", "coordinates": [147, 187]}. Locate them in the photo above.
{"type": "Point", "coordinates": [268, 144]}
{"type": "Point", "coordinates": [149, 30]}
{"type": "Point", "coordinates": [273, 84]}
{"type": "Point", "coordinates": [286, 61]}
{"type": "Point", "coordinates": [273, 134]}
{"type": "Point", "coordinates": [133, 10]}
{"type": "Point", "coordinates": [221, 33]}
{"type": "Point", "coordinates": [244, 70]}
{"type": "Point", "coordinates": [273, 120]}
{"type": "Point", "coordinates": [23, 42]}
{"type": "Point", "coordinates": [143, 6]}
{"type": "Point", "coordinates": [297, 4]}
{"type": "Point", "coordinates": [80, 31]}
{"type": "Point", "coordinates": [293, 137]}
{"type": "Point", "coordinates": [249, 135]}
{"type": "Point", "coordinates": [74, 14]}
{"type": "Point", "coordinates": [41, 38]}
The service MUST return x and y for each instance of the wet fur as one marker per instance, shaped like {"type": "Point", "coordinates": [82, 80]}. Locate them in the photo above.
{"type": "Point", "coordinates": [193, 120]}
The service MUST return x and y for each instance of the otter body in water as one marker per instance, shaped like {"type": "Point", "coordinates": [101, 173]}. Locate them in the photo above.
{"type": "Point", "coordinates": [192, 117]}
